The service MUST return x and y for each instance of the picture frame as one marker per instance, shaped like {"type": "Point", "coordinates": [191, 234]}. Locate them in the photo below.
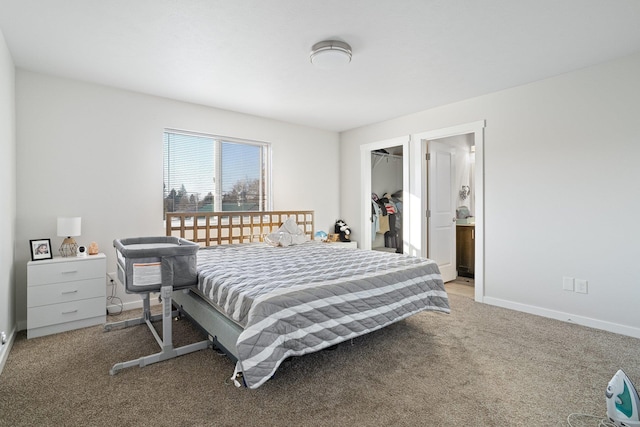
{"type": "Point", "coordinates": [40, 249]}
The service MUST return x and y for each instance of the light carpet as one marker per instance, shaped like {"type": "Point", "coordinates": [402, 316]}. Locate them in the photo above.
{"type": "Point", "coordinates": [479, 366]}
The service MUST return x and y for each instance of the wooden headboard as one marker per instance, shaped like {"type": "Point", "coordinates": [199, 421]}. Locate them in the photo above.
{"type": "Point", "coordinates": [222, 228]}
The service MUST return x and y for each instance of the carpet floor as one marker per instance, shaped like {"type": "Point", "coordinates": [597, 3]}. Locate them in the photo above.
{"type": "Point", "coordinates": [479, 366]}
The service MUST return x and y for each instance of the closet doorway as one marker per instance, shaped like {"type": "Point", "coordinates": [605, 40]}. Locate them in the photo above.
{"type": "Point", "coordinates": [385, 166]}
{"type": "Point", "coordinates": [387, 199]}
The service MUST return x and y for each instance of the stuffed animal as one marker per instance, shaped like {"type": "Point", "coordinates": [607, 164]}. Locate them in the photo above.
{"type": "Point", "coordinates": [343, 231]}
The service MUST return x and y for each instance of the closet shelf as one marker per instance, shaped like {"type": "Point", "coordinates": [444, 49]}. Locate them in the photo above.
{"type": "Point", "coordinates": [393, 156]}
{"type": "Point", "coordinates": [381, 156]}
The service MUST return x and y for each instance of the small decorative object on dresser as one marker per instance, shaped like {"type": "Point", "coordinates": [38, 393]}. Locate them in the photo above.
{"type": "Point", "coordinates": [40, 249]}
{"type": "Point", "coordinates": [93, 248]}
{"type": "Point", "coordinates": [65, 293]}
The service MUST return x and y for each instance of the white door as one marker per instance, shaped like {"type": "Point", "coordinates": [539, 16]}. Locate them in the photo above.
{"type": "Point", "coordinates": [441, 245]}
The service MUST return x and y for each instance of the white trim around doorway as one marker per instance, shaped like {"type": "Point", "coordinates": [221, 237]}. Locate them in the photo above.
{"type": "Point", "coordinates": [418, 190]}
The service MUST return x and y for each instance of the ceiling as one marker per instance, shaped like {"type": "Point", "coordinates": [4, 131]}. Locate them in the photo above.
{"type": "Point", "coordinates": [252, 56]}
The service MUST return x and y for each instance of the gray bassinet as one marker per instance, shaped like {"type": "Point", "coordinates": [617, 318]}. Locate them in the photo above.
{"type": "Point", "coordinates": [156, 264]}
{"type": "Point", "coordinates": [147, 263]}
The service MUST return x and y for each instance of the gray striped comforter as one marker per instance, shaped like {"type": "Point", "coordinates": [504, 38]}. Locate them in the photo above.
{"type": "Point", "coordinates": [300, 299]}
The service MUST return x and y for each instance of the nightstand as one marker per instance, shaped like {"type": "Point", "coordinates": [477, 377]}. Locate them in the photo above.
{"type": "Point", "coordinates": [65, 293]}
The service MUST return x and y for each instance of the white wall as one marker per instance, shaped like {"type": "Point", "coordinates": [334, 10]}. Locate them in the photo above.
{"type": "Point", "coordinates": [560, 161]}
{"type": "Point", "coordinates": [96, 152]}
{"type": "Point", "coordinates": [8, 204]}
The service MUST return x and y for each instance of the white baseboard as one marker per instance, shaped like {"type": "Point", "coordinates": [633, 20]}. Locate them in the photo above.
{"type": "Point", "coordinates": [6, 348]}
{"type": "Point", "coordinates": [566, 317]}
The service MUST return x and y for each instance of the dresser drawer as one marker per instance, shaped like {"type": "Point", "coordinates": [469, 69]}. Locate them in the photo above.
{"type": "Point", "coordinates": [65, 292]}
{"type": "Point", "coordinates": [66, 270]}
{"type": "Point", "coordinates": [52, 314]}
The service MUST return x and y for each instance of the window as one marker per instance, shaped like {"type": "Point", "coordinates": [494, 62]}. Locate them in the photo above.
{"type": "Point", "coordinates": [206, 173]}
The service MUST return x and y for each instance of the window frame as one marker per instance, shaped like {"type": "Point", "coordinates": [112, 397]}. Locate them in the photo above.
{"type": "Point", "coordinates": [217, 140]}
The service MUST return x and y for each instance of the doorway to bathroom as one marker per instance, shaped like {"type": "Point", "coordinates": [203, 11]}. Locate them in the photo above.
{"type": "Point", "coordinates": [451, 183]}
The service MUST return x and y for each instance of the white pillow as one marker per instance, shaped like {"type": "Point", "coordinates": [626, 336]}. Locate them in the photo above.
{"type": "Point", "coordinates": [291, 226]}
{"type": "Point", "coordinates": [288, 234]}
{"type": "Point", "coordinates": [278, 238]}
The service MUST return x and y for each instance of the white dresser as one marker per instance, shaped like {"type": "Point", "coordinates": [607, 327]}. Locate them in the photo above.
{"type": "Point", "coordinates": [65, 293]}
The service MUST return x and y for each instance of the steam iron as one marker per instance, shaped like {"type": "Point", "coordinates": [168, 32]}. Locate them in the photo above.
{"type": "Point", "coordinates": [622, 401]}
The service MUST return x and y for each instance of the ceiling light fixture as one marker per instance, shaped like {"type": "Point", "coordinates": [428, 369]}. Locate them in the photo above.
{"type": "Point", "coordinates": [330, 54]}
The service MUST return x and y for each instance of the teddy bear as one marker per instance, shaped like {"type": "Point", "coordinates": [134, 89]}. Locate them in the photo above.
{"type": "Point", "coordinates": [343, 231]}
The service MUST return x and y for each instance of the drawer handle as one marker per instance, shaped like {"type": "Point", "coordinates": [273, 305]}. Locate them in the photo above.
{"type": "Point", "coordinates": [70, 292]}
{"type": "Point", "coordinates": [70, 312]}
{"type": "Point", "coordinates": [70, 272]}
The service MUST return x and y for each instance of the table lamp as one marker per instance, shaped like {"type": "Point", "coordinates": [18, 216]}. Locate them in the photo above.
{"type": "Point", "coordinates": [69, 228]}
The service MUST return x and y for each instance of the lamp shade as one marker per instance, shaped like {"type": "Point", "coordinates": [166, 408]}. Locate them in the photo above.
{"type": "Point", "coordinates": [68, 227]}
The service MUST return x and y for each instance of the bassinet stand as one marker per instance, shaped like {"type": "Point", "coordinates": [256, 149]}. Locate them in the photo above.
{"type": "Point", "coordinates": [167, 350]}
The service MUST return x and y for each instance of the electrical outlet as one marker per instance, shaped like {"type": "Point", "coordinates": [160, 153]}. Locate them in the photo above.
{"type": "Point", "coordinates": [112, 278]}
{"type": "Point", "coordinates": [567, 283]}
{"type": "Point", "coordinates": [581, 286]}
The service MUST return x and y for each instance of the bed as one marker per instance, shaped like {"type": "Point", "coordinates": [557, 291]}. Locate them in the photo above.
{"type": "Point", "coordinates": [262, 303]}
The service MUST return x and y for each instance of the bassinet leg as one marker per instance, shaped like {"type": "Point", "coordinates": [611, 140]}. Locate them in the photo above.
{"type": "Point", "coordinates": [146, 316]}
{"type": "Point", "coordinates": [146, 306]}
{"type": "Point", "coordinates": [166, 341]}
